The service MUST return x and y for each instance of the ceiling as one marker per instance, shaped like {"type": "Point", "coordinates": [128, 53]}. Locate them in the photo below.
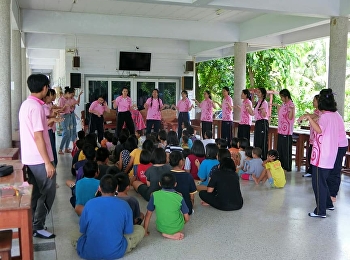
{"type": "Point", "coordinates": [210, 27]}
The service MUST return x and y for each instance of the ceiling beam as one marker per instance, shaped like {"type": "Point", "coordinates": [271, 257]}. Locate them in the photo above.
{"type": "Point", "coordinates": [197, 47]}
{"type": "Point", "coordinates": [345, 8]}
{"type": "Point", "coordinates": [275, 24]}
{"type": "Point", "coordinates": [312, 8]}
{"type": "Point", "coordinates": [82, 23]}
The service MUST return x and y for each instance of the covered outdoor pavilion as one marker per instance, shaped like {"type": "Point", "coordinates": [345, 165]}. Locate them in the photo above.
{"type": "Point", "coordinates": [44, 35]}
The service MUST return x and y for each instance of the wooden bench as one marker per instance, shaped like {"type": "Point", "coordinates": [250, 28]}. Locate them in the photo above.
{"type": "Point", "coordinates": [5, 244]}
{"type": "Point", "coordinates": [110, 120]}
{"type": "Point", "coordinates": [346, 168]}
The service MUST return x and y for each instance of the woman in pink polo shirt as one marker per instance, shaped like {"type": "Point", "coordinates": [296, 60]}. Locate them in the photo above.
{"type": "Point", "coordinates": [206, 106]}
{"type": "Point", "coordinates": [124, 104]}
{"type": "Point", "coordinates": [66, 124]}
{"type": "Point", "coordinates": [73, 103]}
{"type": "Point", "coordinates": [153, 105]}
{"type": "Point", "coordinates": [324, 150]}
{"type": "Point", "coordinates": [261, 116]}
{"type": "Point", "coordinates": [286, 118]}
{"type": "Point", "coordinates": [227, 115]}
{"type": "Point", "coordinates": [183, 106]}
{"type": "Point", "coordinates": [246, 119]}
{"type": "Point", "coordinates": [96, 120]}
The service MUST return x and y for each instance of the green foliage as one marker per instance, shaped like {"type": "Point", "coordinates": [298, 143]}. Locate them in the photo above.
{"type": "Point", "coordinates": [213, 75]}
{"type": "Point", "coordinates": [300, 68]}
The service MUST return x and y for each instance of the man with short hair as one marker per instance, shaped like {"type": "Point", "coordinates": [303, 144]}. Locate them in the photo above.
{"type": "Point", "coordinates": [36, 153]}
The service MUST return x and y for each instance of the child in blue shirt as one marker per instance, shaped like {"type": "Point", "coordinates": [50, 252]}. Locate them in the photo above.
{"type": "Point", "coordinates": [254, 166]}
{"type": "Point", "coordinates": [207, 164]}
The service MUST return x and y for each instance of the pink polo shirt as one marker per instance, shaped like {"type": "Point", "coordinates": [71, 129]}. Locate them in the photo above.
{"type": "Point", "coordinates": [342, 139]}
{"type": "Point", "coordinates": [72, 102]}
{"type": "Point", "coordinates": [325, 145]}
{"type": "Point", "coordinates": [97, 107]}
{"type": "Point", "coordinates": [153, 112]}
{"type": "Point", "coordinates": [207, 110]}
{"type": "Point", "coordinates": [227, 114]}
{"type": "Point", "coordinates": [285, 125]}
{"type": "Point", "coordinates": [62, 102]}
{"type": "Point", "coordinates": [184, 105]}
{"type": "Point", "coordinates": [123, 104]}
{"type": "Point", "coordinates": [312, 131]}
{"type": "Point", "coordinates": [32, 119]}
{"type": "Point", "coordinates": [257, 111]}
{"type": "Point", "coordinates": [246, 118]}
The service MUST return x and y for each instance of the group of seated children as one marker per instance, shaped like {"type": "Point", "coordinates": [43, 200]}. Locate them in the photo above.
{"type": "Point", "coordinates": [165, 178]}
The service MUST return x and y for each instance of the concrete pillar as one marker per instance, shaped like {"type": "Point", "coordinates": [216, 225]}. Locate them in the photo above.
{"type": "Point", "coordinates": [24, 74]}
{"type": "Point", "coordinates": [337, 59]}
{"type": "Point", "coordinates": [16, 78]}
{"type": "Point", "coordinates": [240, 52]}
{"type": "Point", "coordinates": [5, 74]}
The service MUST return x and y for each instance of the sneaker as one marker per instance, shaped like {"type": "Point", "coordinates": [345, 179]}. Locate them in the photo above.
{"type": "Point", "coordinates": [307, 175]}
{"type": "Point", "coordinates": [313, 215]}
{"type": "Point", "coordinates": [331, 208]}
{"type": "Point", "coordinates": [43, 234]}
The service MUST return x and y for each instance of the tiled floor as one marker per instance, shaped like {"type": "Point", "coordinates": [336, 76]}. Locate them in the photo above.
{"type": "Point", "coordinates": [273, 224]}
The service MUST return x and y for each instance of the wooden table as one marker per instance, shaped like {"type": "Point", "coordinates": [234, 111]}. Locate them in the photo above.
{"type": "Point", "coordinates": [16, 176]}
{"type": "Point", "coordinates": [15, 212]}
{"type": "Point", "coordinates": [217, 124]}
{"type": "Point", "coordinates": [9, 153]}
{"type": "Point", "coordinates": [302, 142]}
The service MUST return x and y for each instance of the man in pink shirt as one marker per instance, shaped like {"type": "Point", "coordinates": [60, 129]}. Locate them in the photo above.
{"type": "Point", "coordinates": [124, 105]}
{"type": "Point", "coordinates": [36, 153]}
{"type": "Point", "coordinates": [96, 120]}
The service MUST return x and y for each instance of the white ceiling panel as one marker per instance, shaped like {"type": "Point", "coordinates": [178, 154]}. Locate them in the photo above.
{"type": "Point", "coordinates": [182, 20]}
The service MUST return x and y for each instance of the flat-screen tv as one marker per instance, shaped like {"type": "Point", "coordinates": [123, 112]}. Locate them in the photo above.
{"type": "Point", "coordinates": [135, 61]}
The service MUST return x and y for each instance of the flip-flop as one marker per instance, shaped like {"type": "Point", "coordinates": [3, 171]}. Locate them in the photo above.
{"type": "Point", "coordinates": [60, 152]}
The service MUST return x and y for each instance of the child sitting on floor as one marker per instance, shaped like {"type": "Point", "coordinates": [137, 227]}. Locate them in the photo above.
{"type": "Point", "coordinates": [145, 163]}
{"type": "Point", "coordinates": [138, 134]}
{"type": "Point", "coordinates": [123, 188]}
{"type": "Point", "coordinates": [242, 144]}
{"type": "Point", "coordinates": [184, 143]}
{"type": "Point", "coordinates": [254, 166]}
{"type": "Point", "coordinates": [274, 172]}
{"type": "Point", "coordinates": [171, 209]}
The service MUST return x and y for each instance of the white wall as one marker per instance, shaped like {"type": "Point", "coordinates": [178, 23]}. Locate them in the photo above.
{"type": "Point", "coordinates": [99, 58]}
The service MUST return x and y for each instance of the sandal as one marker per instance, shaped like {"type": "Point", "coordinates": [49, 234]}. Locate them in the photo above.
{"type": "Point", "coordinates": [68, 151]}
{"type": "Point", "coordinates": [60, 152]}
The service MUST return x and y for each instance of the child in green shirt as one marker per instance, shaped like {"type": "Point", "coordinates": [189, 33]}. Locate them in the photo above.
{"type": "Point", "coordinates": [171, 209]}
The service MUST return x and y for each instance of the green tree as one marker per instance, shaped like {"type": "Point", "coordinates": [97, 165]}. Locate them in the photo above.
{"type": "Point", "coordinates": [213, 75]}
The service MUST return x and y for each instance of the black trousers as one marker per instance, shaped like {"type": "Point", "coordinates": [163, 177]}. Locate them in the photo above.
{"type": "Point", "coordinates": [150, 123]}
{"type": "Point", "coordinates": [213, 201]}
{"type": "Point", "coordinates": [226, 131]}
{"type": "Point", "coordinates": [308, 158]}
{"type": "Point", "coordinates": [125, 117]}
{"type": "Point", "coordinates": [321, 191]}
{"type": "Point", "coordinates": [244, 131]}
{"type": "Point", "coordinates": [96, 124]}
{"type": "Point", "coordinates": [261, 136]}
{"type": "Point", "coordinates": [284, 148]}
{"type": "Point", "coordinates": [334, 178]}
{"type": "Point", "coordinates": [206, 126]}
{"type": "Point", "coordinates": [183, 117]}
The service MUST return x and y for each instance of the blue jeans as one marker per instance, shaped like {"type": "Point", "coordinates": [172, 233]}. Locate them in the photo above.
{"type": "Point", "coordinates": [66, 131]}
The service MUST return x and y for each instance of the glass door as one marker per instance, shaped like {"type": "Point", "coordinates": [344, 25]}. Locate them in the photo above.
{"type": "Point", "coordinates": [98, 88]}
{"type": "Point", "coordinates": [144, 91]}
{"type": "Point", "coordinates": [167, 92]}
{"type": "Point", "coordinates": [117, 87]}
